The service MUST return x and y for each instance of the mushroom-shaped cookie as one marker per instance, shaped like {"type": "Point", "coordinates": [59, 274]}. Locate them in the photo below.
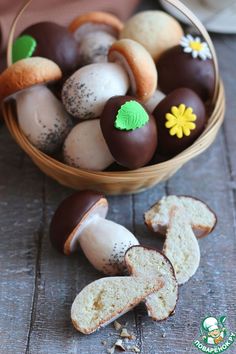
{"type": "Point", "coordinates": [106, 299]}
{"type": "Point", "coordinates": [48, 40]}
{"type": "Point", "coordinates": [181, 246]}
{"type": "Point", "coordinates": [155, 30]}
{"type": "Point", "coordinates": [142, 261]}
{"type": "Point", "coordinates": [203, 220]}
{"type": "Point", "coordinates": [92, 22]}
{"type": "Point", "coordinates": [126, 129]}
{"type": "Point", "coordinates": [85, 93]}
{"type": "Point", "coordinates": [80, 218]}
{"type": "Point", "coordinates": [188, 64]}
{"type": "Point", "coordinates": [85, 147]}
{"type": "Point", "coordinates": [130, 131]}
{"type": "Point", "coordinates": [181, 118]}
{"type": "Point", "coordinates": [139, 65]}
{"type": "Point", "coordinates": [95, 32]}
{"type": "Point", "coordinates": [41, 116]}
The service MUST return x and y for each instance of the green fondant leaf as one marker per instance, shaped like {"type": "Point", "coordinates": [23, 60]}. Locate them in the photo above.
{"type": "Point", "coordinates": [131, 116]}
{"type": "Point", "coordinates": [23, 47]}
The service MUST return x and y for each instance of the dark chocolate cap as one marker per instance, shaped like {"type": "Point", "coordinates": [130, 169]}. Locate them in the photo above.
{"type": "Point", "coordinates": [171, 145]}
{"type": "Point", "coordinates": [178, 69]}
{"type": "Point", "coordinates": [69, 215]}
{"type": "Point", "coordinates": [132, 149]}
{"type": "Point", "coordinates": [55, 42]}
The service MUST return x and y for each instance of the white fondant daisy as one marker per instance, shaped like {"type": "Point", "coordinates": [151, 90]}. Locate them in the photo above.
{"type": "Point", "coordinates": [195, 47]}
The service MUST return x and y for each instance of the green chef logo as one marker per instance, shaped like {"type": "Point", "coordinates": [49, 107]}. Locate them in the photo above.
{"type": "Point", "coordinates": [215, 338]}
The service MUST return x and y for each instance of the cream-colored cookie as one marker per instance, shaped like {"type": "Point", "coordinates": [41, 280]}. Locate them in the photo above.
{"type": "Point", "coordinates": [202, 218]}
{"type": "Point", "coordinates": [85, 147]}
{"type": "Point", "coordinates": [181, 246]}
{"type": "Point", "coordinates": [42, 118]}
{"type": "Point", "coordinates": [106, 299]}
{"type": "Point", "coordinates": [155, 30]}
{"type": "Point", "coordinates": [86, 92]}
{"type": "Point", "coordinates": [154, 100]}
{"type": "Point", "coordinates": [142, 261]}
{"type": "Point", "coordinates": [94, 47]}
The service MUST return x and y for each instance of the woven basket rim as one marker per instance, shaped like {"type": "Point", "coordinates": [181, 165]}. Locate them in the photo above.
{"type": "Point", "coordinates": [219, 109]}
{"type": "Point", "coordinates": [44, 161]}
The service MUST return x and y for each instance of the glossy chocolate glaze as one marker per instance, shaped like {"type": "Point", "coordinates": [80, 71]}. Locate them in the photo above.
{"type": "Point", "coordinates": [55, 42]}
{"type": "Point", "coordinates": [132, 149]}
{"type": "Point", "coordinates": [171, 145]}
{"type": "Point", "coordinates": [178, 69]}
{"type": "Point", "coordinates": [69, 214]}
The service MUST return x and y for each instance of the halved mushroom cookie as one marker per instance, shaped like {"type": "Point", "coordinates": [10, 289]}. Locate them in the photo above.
{"type": "Point", "coordinates": [142, 261]}
{"type": "Point", "coordinates": [106, 299]}
{"type": "Point", "coordinates": [202, 218]}
{"type": "Point", "coordinates": [181, 246]}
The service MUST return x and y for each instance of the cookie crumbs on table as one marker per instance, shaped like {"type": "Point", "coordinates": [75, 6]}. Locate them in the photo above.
{"type": "Point", "coordinates": [117, 325]}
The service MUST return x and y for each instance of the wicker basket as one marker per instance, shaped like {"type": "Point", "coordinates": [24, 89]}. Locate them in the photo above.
{"type": "Point", "coordinates": [128, 181]}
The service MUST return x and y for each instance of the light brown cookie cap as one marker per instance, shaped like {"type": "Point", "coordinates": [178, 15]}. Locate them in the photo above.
{"type": "Point", "coordinates": [98, 18]}
{"type": "Point", "coordinates": [139, 65]}
{"type": "Point", "coordinates": [26, 73]}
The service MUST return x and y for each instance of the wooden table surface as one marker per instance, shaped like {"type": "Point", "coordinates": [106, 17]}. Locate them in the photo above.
{"type": "Point", "coordinates": [38, 285]}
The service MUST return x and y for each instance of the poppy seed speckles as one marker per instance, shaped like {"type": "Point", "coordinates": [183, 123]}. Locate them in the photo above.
{"type": "Point", "coordinates": [42, 118]}
{"type": "Point", "coordinates": [85, 93]}
{"type": "Point", "coordinates": [76, 96]}
{"type": "Point", "coordinates": [115, 263]}
{"type": "Point", "coordinates": [50, 140]}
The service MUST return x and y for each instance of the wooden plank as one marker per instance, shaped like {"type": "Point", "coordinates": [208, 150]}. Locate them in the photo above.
{"type": "Point", "coordinates": [60, 279]}
{"type": "Point", "coordinates": [20, 215]}
{"type": "Point", "coordinates": [38, 285]}
{"type": "Point", "coordinates": [226, 49]}
{"type": "Point", "coordinates": [142, 202]}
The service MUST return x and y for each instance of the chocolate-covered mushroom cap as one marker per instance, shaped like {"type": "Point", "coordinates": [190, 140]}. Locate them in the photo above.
{"type": "Point", "coordinates": [56, 43]}
{"type": "Point", "coordinates": [81, 218]}
{"type": "Point", "coordinates": [130, 131]}
{"type": "Point", "coordinates": [187, 65]}
{"type": "Point", "coordinates": [67, 222]}
{"type": "Point", "coordinates": [181, 118]}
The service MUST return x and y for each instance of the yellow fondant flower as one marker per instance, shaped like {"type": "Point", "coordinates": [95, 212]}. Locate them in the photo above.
{"type": "Point", "coordinates": [180, 121]}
